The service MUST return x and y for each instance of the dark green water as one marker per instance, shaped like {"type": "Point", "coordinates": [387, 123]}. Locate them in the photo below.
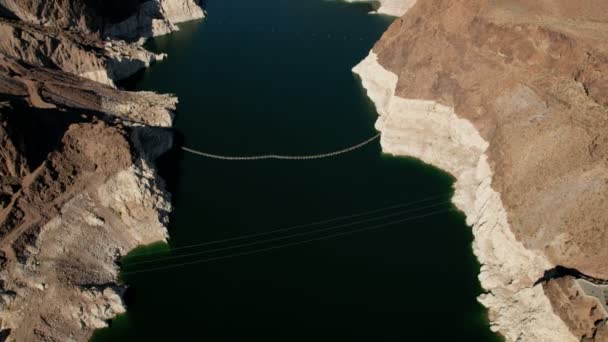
{"type": "Point", "coordinates": [274, 76]}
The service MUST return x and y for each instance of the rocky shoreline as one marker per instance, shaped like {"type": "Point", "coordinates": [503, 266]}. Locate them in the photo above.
{"type": "Point", "coordinates": [431, 132]}
{"type": "Point", "coordinates": [395, 8]}
{"type": "Point", "coordinates": [79, 186]}
{"type": "Point", "coordinates": [422, 104]}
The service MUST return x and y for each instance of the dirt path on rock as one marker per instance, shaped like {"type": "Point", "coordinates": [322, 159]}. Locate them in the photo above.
{"type": "Point", "coordinates": [35, 98]}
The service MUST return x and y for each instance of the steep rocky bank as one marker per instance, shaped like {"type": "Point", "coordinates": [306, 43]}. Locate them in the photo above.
{"type": "Point", "coordinates": [83, 55]}
{"type": "Point", "coordinates": [510, 97]}
{"type": "Point", "coordinates": [117, 19]}
{"type": "Point", "coordinates": [78, 187]}
{"type": "Point", "coordinates": [78, 191]}
{"type": "Point", "coordinates": [100, 41]}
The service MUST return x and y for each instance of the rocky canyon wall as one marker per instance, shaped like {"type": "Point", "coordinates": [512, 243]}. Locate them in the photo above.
{"type": "Point", "coordinates": [97, 40]}
{"type": "Point", "coordinates": [510, 97]}
{"type": "Point", "coordinates": [78, 185]}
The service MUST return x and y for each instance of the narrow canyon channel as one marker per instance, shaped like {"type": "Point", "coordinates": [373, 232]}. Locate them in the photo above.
{"type": "Point", "coordinates": [274, 76]}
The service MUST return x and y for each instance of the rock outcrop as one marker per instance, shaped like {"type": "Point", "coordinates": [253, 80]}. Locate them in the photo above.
{"type": "Point", "coordinates": [87, 38]}
{"type": "Point", "coordinates": [154, 18]}
{"type": "Point", "coordinates": [78, 188]}
{"type": "Point", "coordinates": [510, 97]}
{"type": "Point", "coordinates": [122, 19]}
{"type": "Point", "coordinates": [394, 8]}
{"type": "Point", "coordinates": [86, 56]}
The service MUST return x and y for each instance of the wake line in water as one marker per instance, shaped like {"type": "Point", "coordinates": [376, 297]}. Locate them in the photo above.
{"type": "Point", "coordinates": [283, 157]}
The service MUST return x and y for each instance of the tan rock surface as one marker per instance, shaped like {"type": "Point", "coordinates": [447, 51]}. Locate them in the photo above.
{"type": "Point", "coordinates": [39, 86]}
{"type": "Point", "coordinates": [78, 187]}
{"type": "Point", "coordinates": [537, 92]}
{"type": "Point", "coordinates": [85, 56]}
{"type": "Point", "coordinates": [532, 78]}
{"type": "Point", "coordinates": [434, 134]}
{"type": "Point", "coordinates": [394, 8]}
{"type": "Point", "coordinates": [72, 35]}
{"type": "Point", "coordinates": [583, 314]}
{"type": "Point", "coordinates": [79, 190]}
{"type": "Point", "coordinates": [123, 19]}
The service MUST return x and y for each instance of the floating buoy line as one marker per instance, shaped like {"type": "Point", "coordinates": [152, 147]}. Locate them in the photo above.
{"type": "Point", "coordinates": [282, 157]}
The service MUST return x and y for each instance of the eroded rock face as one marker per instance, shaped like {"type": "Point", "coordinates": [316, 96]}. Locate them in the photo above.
{"type": "Point", "coordinates": [78, 191]}
{"type": "Point", "coordinates": [78, 187]}
{"type": "Point", "coordinates": [45, 88]}
{"type": "Point", "coordinates": [528, 81]}
{"type": "Point", "coordinates": [122, 19]}
{"type": "Point", "coordinates": [155, 18]}
{"type": "Point", "coordinates": [435, 134]}
{"type": "Point", "coordinates": [85, 56]}
{"type": "Point", "coordinates": [80, 37]}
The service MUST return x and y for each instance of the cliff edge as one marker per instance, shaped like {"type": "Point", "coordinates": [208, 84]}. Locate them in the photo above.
{"type": "Point", "coordinates": [99, 40]}
{"type": "Point", "coordinates": [78, 187]}
{"type": "Point", "coordinates": [511, 97]}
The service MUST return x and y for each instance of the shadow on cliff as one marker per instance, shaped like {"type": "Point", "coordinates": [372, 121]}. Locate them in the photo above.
{"type": "Point", "coordinates": [37, 131]}
{"type": "Point", "coordinates": [4, 333]}
{"type": "Point", "coordinates": [122, 19]}
{"type": "Point", "coordinates": [561, 271]}
{"type": "Point", "coordinates": [130, 83]}
{"type": "Point", "coordinates": [167, 162]}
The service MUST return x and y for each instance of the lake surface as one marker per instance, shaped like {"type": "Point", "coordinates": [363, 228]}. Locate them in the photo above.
{"type": "Point", "coordinates": [274, 76]}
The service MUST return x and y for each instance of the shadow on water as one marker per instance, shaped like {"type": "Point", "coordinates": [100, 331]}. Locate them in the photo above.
{"type": "Point", "coordinates": [274, 76]}
{"type": "Point", "coordinates": [131, 82]}
{"type": "Point", "coordinates": [166, 165]}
